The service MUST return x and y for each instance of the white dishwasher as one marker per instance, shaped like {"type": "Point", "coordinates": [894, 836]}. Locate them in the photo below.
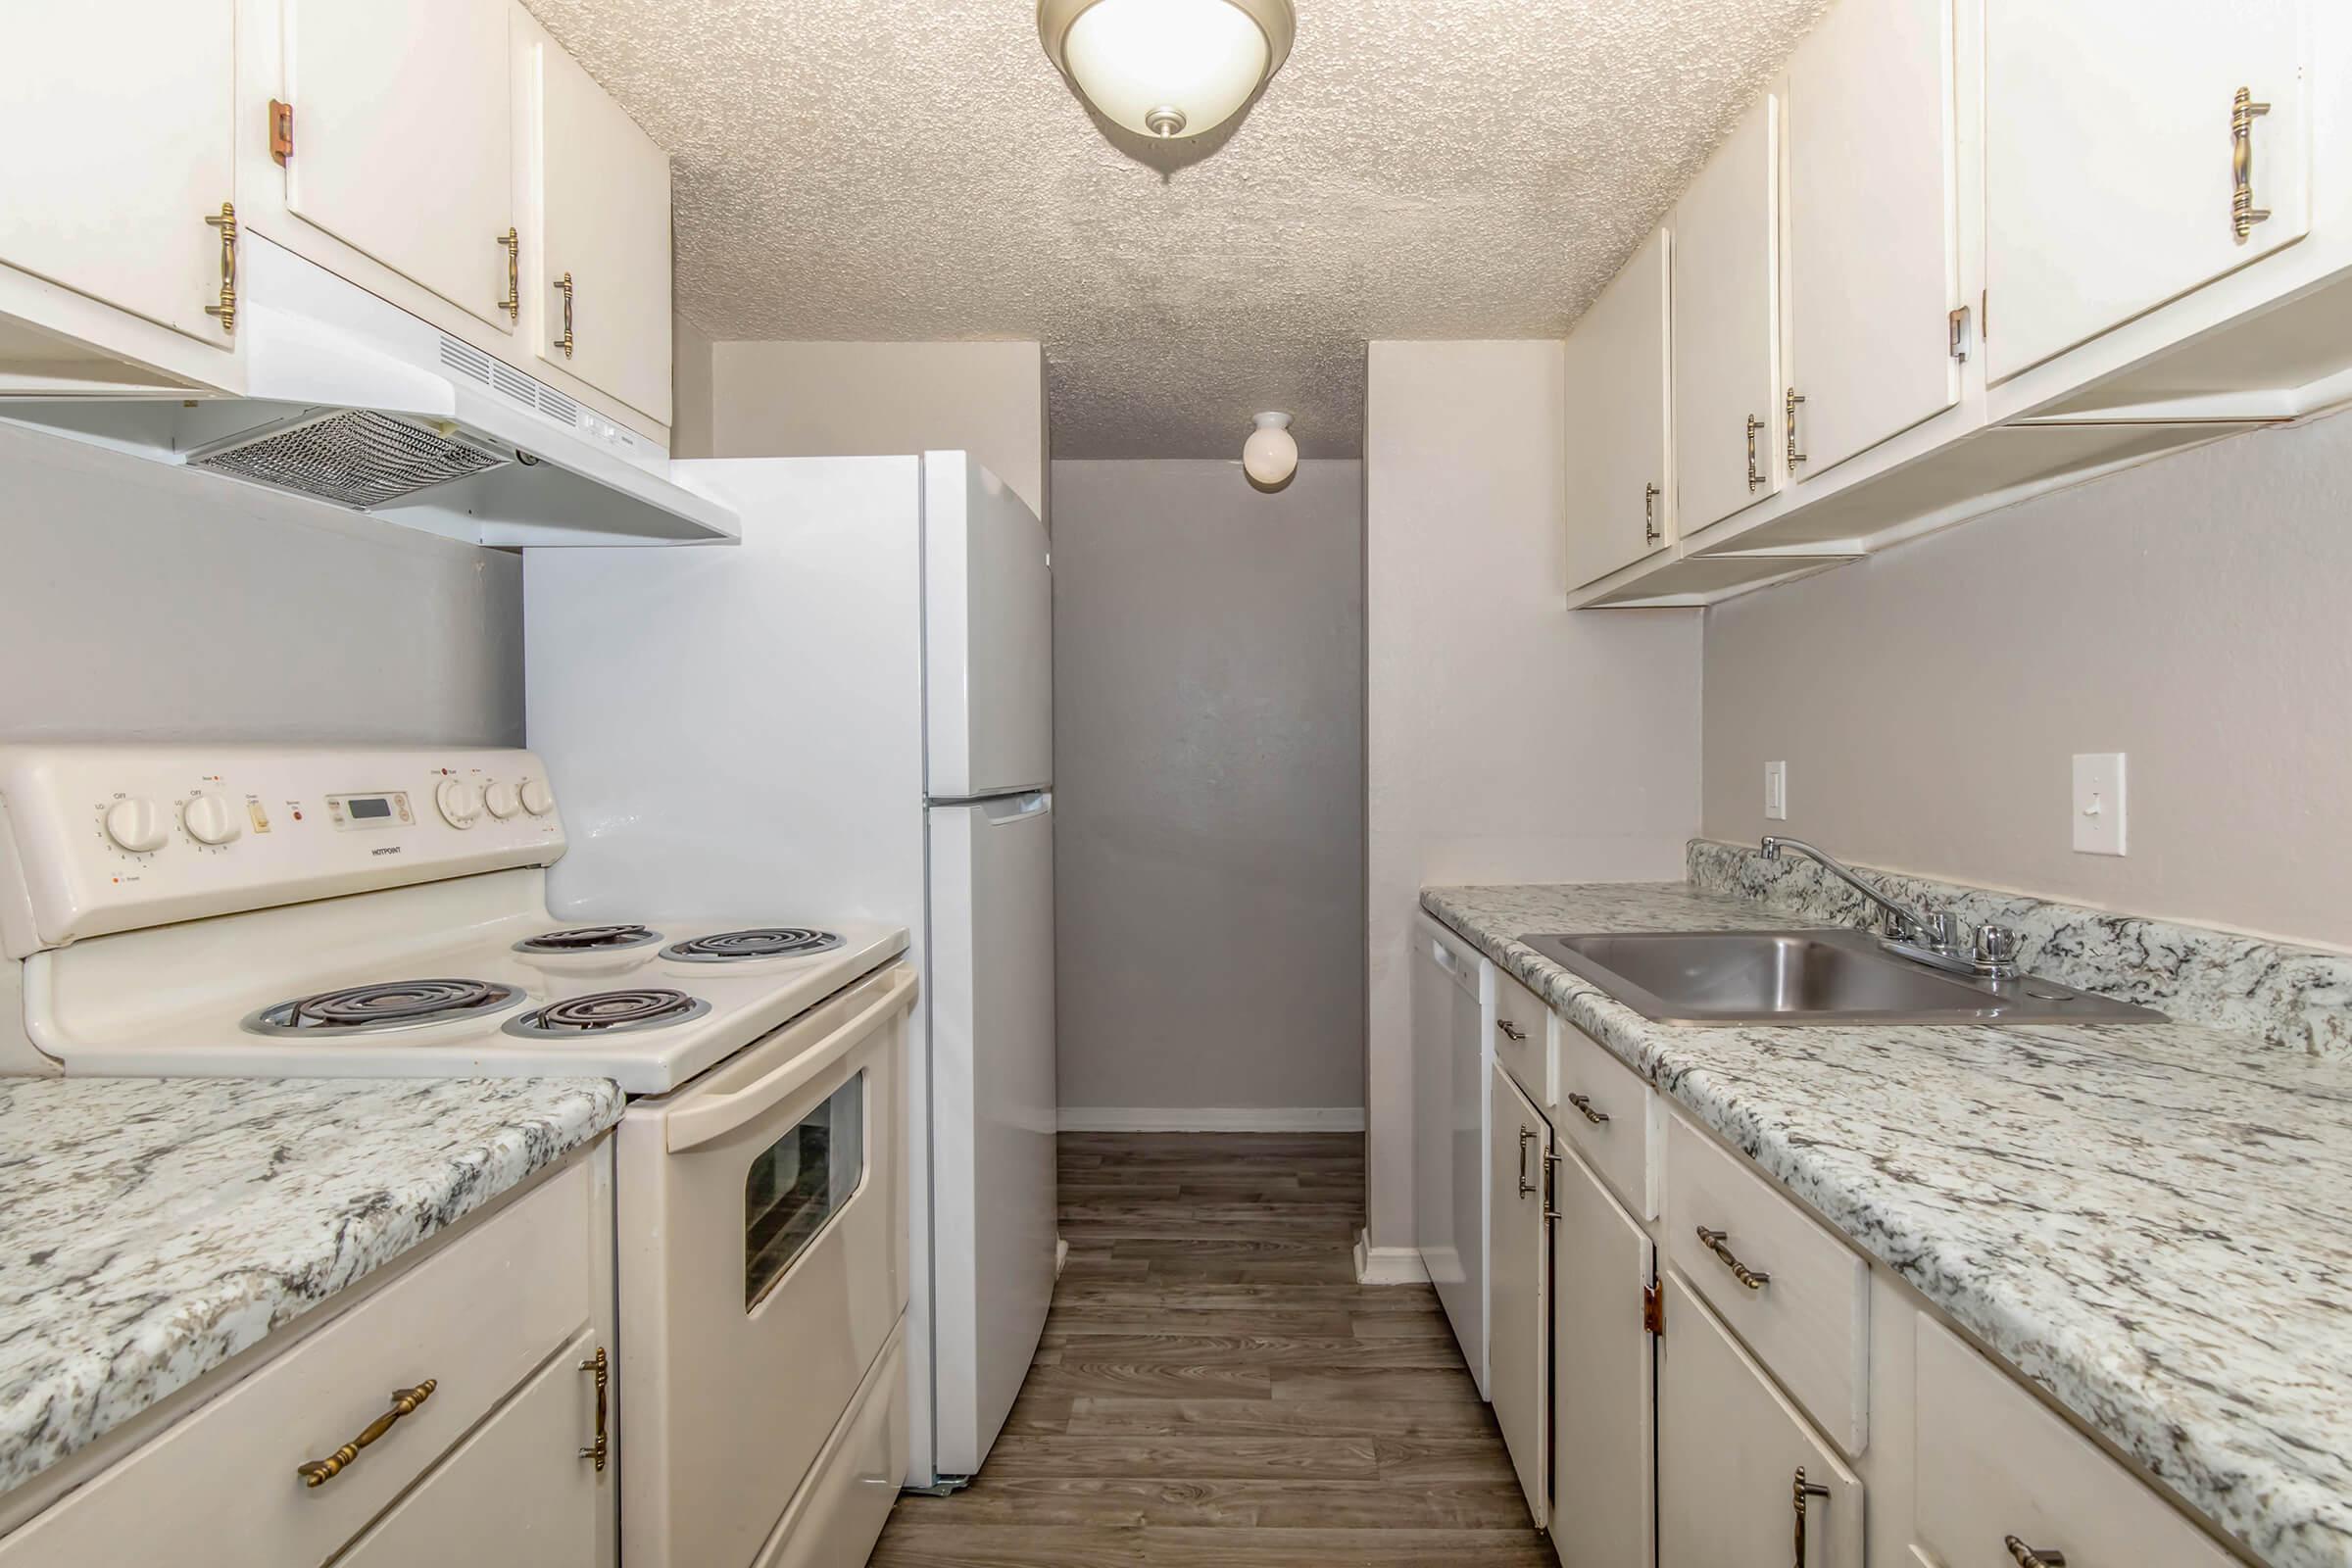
{"type": "Point", "coordinates": [1449, 1138]}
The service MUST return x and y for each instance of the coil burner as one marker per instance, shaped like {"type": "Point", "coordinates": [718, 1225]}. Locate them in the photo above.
{"type": "Point", "coordinates": [389, 1004]}
{"type": "Point", "coordinates": [607, 1012]}
{"type": "Point", "coordinates": [589, 938]}
{"type": "Point", "coordinates": [766, 941]}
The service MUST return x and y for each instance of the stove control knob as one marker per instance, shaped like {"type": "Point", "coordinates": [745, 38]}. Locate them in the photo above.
{"type": "Point", "coordinates": [136, 824]}
{"type": "Point", "coordinates": [537, 798]}
{"type": "Point", "coordinates": [499, 801]}
{"type": "Point", "coordinates": [209, 819]}
{"type": "Point", "coordinates": [459, 801]}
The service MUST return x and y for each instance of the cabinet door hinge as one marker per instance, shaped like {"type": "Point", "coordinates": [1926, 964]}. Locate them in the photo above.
{"type": "Point", "coordinates": [282, 130]}
{"type": "Point", "coordinates": [1960, 334]}
{"type": "Point", "coordinates": [1653, 1309]}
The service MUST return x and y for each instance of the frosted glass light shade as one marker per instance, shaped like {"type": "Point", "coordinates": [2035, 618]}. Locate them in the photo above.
{"type": "Point", "coordinates": [1166, 68]}
{"type": "Point", "coordinates": [1271, 454]}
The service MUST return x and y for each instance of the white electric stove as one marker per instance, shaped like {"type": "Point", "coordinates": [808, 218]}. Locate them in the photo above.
{"type": "Point", "coordinates": [258, 912]}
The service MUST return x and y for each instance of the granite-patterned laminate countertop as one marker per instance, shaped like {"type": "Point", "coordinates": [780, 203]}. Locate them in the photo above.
{"type": "Point", "coordinates": [152, 1229]}
{"type": "Point", "coordinates": [2153, 1222]}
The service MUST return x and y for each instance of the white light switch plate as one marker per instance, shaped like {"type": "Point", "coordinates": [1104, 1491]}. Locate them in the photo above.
{"type": "Point", "coordinates": [2100, 803]}
{"type": "Point", "coordinates": [1775, 792]}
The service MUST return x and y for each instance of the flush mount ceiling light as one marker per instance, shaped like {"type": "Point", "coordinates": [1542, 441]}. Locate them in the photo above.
{"type": "Point", "coordinates": [1271, 454]}
{"type": "Point", "coordinates": [1168, 68]}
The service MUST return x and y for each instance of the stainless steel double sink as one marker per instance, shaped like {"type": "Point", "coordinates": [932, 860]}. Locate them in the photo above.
{"type": "Point", "coordinates": [1836, 976]}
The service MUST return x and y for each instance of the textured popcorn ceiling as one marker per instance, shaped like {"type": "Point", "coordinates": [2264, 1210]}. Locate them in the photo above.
{"type": "Point", "coordinates": [916, 168]}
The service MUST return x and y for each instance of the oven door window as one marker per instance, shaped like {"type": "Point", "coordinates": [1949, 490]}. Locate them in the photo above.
{"type": "Point", "coordinates": [798, 1184]}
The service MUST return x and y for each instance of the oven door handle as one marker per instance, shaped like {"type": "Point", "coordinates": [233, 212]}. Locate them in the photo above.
{"type": "Point", "coordinates": [698, 1122]}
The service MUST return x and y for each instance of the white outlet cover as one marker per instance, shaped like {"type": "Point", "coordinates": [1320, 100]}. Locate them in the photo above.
{"type": "Point", "coordinates": [2098, 805]}
{"type": "Point", "coordinates": [1775, 792]}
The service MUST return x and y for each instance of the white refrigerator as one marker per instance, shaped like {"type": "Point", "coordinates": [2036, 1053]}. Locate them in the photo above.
{"type": "Point", "coordinates": [849, 715]}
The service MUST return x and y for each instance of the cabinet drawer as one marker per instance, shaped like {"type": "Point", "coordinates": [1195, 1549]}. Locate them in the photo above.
{"type": "Point", "coordinates": [1994, 1462]}
{"type": "Point", "coordinates": [1523, 1037]}
{"type": "Point", "coordinates": [220, 1485]}
{"type": "Point", "coordinates": [1611, 1117]}
{"type": "Point", "coordinates": [1793, 1291]}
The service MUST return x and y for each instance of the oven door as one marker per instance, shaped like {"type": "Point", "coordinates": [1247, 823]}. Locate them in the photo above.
{"type": "Point", "coordinates": [761, 1255]}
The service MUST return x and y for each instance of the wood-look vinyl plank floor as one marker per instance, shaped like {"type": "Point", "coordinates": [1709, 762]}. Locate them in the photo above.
{"type": "Point", "coordinates": [1215, 1391]}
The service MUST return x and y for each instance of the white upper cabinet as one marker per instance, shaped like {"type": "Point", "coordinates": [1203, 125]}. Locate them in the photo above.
{"type": "Point", "coordinates": [402, 139]}
{"type": "Point", "coordinates": [603, 205]}
{"type": "Point", "coordinates": [1619, 510]}
{"type": "Point", "coordinates": [1727, 360]}
{"type": "Point", "coordinates": [2128, 158]}
{"type": "Point", "coordinates": [120, 117]}
{"type": "Point", "coordinates": [1873, 248]}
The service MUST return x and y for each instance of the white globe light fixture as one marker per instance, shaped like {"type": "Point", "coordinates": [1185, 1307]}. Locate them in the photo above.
{"type": "Point", "coordinates": [1271, 454]}
{"type": "Point", "coordinates": [1166, 68]}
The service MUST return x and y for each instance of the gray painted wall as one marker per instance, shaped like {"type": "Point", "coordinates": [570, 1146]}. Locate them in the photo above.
{"type": "Point", "coordinates": [142, 602]}
{"type": "Point", "coordinates": [1208, 781]}
{"type": "Point", "coordinates": [2194, 613]}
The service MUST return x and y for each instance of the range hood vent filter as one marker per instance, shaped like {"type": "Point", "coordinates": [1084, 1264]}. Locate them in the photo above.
{"type": "Point", "coordinates": [354, 457]}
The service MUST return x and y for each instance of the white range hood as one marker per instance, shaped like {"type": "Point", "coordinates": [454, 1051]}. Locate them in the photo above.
{"type": "Point", "coordinates": [353, 400]}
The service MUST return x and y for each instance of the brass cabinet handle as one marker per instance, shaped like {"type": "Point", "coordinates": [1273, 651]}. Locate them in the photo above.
{"type": "Point", "coordinates": [513, 302]}
{"type": "Point", "coordinates": [2243, 213]}
{"type": "Point", "coordinates": [598, 1364]}
{"type": "Point", "coordinates": [1755, 1279]}
{"type": "Point", "coordinates": [1652, 533]}
{"type": "Point", "coordinates": [1754, 478]}
{"type": "Point", "coordinates": [564, 342]}
{"type": "Point", "coordinates": [319, 1472]}
{"type": "Point", "coordinates": [1526, 1187]}
{"type": "Point", "coordinates": [225, 220]}
{"type": "Point", "coordinates": [1801, 1492]}
{"type": "Point", "coordinates": [1510, 1030]}
{"type": "Point", "coordinates": [1583, 1103]}
{"type": "Point", "coordinates": [2027, 1557]}
{"type": "Point", "coordinates": [1789, 402]}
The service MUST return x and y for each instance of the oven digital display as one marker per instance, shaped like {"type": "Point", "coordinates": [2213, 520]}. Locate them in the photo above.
{"type": "Point", "coordinates": [379, 809]}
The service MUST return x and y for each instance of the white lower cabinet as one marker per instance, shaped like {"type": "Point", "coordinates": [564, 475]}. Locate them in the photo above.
{"type": "Point", "coordinates": [1998, 1471]}
{"type": "Point", "coordinates": [1519, 1284]}
{"type": "Point", "coordinates": [1743, 1478]}
{"type": "Point", "coordinates": [1603, 1503]}
{"type": "Point", "coordinates": [514, 1492]}
{"type": "Point", "coordinates": [440, 1417]}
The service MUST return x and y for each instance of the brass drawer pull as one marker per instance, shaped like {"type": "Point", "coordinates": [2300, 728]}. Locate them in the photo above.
{"type": "Point", "coordinates": [1583, 1103]}
{"type": "Point", "coordinates": [319, 1472]}
{"type": "Point", "coordinates": [513, 302]}
{"type": "Point", "coordinates": [599, 1365]}
{"type": "Point", "coordinates": [2243, 213]}
{"type": "Point", "coordinates": [1801, 1491]}
{"type": "Point", "coordinates": [564, 342]}
{"type": "Point", "coordinates": [1652, 533]}
{"type": "Point", "coordinates": [1789, 402]}
{"type": "Point", "coordinates": [1754, 478]}
{"type": "Point", "coordinates": [1755, 1279]}
{"type": "Point", "coordinates": [2027, 1557]}
{"type": "Point", "coordinates": [1510, 1030]}
{"type": "Point", "coordinates": [227, 222]}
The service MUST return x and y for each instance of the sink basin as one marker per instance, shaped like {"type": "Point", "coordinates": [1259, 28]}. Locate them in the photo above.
{"type": "Point", "coordinates": [1810, 977]}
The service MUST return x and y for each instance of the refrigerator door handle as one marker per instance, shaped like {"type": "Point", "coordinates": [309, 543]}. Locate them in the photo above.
{"type": "Point", "coordinates": [1016, 808]}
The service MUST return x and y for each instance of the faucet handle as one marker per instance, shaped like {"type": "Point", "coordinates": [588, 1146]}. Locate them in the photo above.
{"type": "Point", "coordinates": [1997, 951]}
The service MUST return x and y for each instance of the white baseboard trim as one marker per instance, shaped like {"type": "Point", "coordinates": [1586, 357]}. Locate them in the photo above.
{"type": "Point", "coordinates": [1212, 1119]}
{"type": "Point", "coordinates": [1387, 1265]}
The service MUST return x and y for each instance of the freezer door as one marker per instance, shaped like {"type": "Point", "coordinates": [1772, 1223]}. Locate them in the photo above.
{"type": "Point", "coordinates": [992, 1110]}
{"type": "Point", "coordinates": [987, 605]}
